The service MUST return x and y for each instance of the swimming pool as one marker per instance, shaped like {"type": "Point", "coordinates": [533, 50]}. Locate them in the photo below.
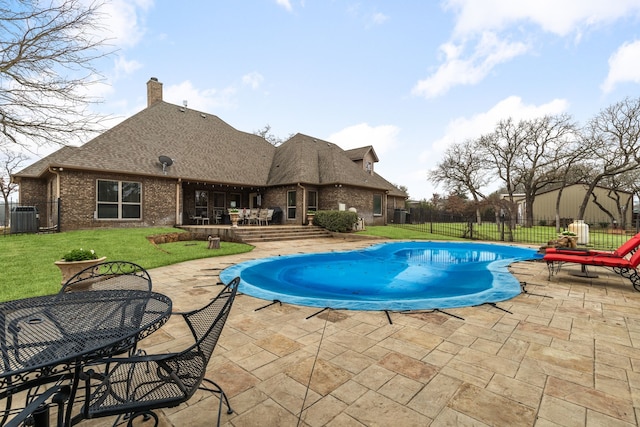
{"type": "Point", "coordinates": [389, 276]}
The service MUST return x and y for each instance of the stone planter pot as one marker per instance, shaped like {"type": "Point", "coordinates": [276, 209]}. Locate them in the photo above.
{"type": "Point", "coordinates": [568, 241]}
{"type": "Point", "coordinates": [310, 219]}
{"type": "Point", "coordinates": [235, 216]}
{"type": "Point", "coordinates": [70, 268]}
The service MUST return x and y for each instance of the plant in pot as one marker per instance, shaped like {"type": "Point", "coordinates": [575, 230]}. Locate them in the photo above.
{"type": "Point", "coordinates": [77, 260]}
{"type": "Point", "coordinates": [311, 213]}
{"type": "Point", "coordinates": [234, 215]}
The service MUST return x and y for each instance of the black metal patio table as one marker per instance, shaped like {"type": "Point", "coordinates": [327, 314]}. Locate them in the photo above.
{"type": "Point", "coordinates": [50, 338]}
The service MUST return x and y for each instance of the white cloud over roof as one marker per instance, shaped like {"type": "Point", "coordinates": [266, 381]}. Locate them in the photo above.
{"type": "Point", "coordinates": [381, 138]}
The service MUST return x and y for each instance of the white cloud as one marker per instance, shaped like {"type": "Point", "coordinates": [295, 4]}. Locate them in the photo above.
{"type": "Point", "coordinates": [379, 18]}
{"type": "Point", "coordinates": [199, 99]}
{"type": "Point", "coordinates": [253, 79]}
{"type": "Point", "coordinates": [286, 4]}
{"type": "Point", "coordinates": [124, 21]}
{"type": "Point", "coordinates": [124, 66]}
{"type": "Point", "coordinates": [463, 128]}
{"type": "Point", "coordinates": [623, 66]}
{"type": "Point", "coordinates": [382, 138]}
{"type": "Point", "coordinates": [457, 69]}
{"type": "Point", "coordinates": [489, 23]}
{"type": "Point", "coordinates": [557, 17]}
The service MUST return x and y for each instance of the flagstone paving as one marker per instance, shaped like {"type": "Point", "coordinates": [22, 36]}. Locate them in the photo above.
{"type": "Point", "coordinates": [563, 353]}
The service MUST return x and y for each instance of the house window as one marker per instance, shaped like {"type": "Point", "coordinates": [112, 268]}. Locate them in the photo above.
{"type": "Point", "coordinates": [377, 204]}
{"type": "Point", "coordinates": [119, 200]}
{"type": "Point", "coordinates": [202, 203]}
{"type": "Point", "coordinates": [234, 200]}
{"type": "Point", "coordinates": [218, 201]}
{"type": "Point", "coordinates": [291, 205]}
{"type": "Point", "coordinates": [312, 201]}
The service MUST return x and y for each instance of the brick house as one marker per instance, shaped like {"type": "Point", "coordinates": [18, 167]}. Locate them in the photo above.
{"type": "Point", "coordinates": [118, 180]}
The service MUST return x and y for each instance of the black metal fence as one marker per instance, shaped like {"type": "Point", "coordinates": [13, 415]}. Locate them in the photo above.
{"type": "Point", "coordinates": [503, 229]}
{"type": "Point", "coordinates": [35, 217]}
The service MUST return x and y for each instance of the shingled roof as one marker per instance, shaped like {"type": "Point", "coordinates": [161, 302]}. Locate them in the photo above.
{"type": "Point", "coordinates": [206, 149]}
{"type": "Point", "coordinates": [203, 147]}
{"type": "Point", "coordinates": [361, 152]}
{"type": "Point", "coordinates": [309, 160]}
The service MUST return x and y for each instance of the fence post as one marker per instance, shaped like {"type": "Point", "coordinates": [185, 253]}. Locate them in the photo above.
{"type": "Point", "coordinates": [431, 222]}
{"type": "Point", "coordinates": [502, 227]}
{"type": "Point", "coordinates": [58, 215]}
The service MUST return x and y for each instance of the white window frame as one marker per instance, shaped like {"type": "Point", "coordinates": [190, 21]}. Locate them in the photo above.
{"type": "Point", "coordinates": [310, 206]}
{"type": "Point", "coordinates": [374, 205]}
{"type": "Point", "coordinates": [292, 208]}
{"type": "Point", "coordinates": [119, 203]}
{"type": "Point", "coordinates": [202, 210]}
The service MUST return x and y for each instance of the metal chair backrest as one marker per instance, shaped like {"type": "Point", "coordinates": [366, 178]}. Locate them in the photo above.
{"type": "Point", "coordinates": [140, 384]}
{"type": "Point", "coordinates": [206, 325]}
{"type": "Point", "coordinates": [110, 275]}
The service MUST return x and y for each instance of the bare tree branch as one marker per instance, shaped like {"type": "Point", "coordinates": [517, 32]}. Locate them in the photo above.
{"type": "Point", "coordinates": [612, 141]}
{"type": "Point", "coordinates": [10, 161]}
{"type": "Point", "coordinates": [47, 55]}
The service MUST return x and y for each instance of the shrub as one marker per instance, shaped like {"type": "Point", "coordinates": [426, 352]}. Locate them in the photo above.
{"type": "Point", "coordinates": [542, 223]}
{"type": "Point", "coordinates": [80, 255]}
{"type": "Point", "coordinates": [603, 225]}
{"type": "Point", "coordinates": [337, 221]}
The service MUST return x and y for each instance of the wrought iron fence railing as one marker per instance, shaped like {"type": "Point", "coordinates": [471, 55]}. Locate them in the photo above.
{"type": "Point", "coordinates": [601, 235]}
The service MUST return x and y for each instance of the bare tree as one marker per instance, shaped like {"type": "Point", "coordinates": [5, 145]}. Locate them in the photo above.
{"type": "Point", "coordinates": [272, 139]}
{"type": "Point", "coordinates": [503, 147]}
{"type": "Point", "coordinates": [571, 170]}
{"type": "Point", "coordinates": [612, 143]}
{"type": "Point", "coordinates": [47, 55]}
{"type": "Point", "coordinates": [540, 164]}
{"type": "Point", "coordinates": [463, 169]}
{"type": "Point", "coordinates": [618, 189]}
{"type": "Point", "coordinates": [10, 161]}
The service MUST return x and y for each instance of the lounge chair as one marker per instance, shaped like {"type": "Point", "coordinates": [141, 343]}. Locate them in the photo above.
{"type": "Point", "coordinates": [625, 267]}
{"type": "Point", "coordinates": [628, 247]}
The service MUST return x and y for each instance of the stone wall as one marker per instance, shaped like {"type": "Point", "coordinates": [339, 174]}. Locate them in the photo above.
{"type": "Point", "coordinates": [359, 198]}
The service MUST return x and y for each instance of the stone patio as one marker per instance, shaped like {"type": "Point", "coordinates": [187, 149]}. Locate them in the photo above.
{"type": "Point", "coordinates": [565, 353]}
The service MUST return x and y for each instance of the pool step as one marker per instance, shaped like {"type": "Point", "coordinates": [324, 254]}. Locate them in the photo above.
{"type": "Point", "coordinates": [273, 233]}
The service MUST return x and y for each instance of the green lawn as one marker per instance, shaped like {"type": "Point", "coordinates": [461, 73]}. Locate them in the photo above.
{"type": "Point", "coordinates": [27, 259]}
{"type": "Point", "coordinates": [536, 235]}
{"type": "Point", "coordinates": [405, 233]}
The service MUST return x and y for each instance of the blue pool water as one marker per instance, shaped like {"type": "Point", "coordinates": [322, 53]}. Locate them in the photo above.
{"type": "Point", "coordinates": [389, 276]}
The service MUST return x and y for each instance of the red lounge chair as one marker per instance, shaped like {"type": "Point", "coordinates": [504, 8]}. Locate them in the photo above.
{"type": "Point", "coordinates": [626, 248]}
{"type": "Point", "coordinates": [625, 267]}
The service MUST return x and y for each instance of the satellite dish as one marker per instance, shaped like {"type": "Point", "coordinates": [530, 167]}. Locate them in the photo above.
{"type": "Point", "coordinates": [166, 161]}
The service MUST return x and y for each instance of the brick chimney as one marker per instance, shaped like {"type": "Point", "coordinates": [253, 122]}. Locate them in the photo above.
{"type": "Point", "coordinates": [154, 91]}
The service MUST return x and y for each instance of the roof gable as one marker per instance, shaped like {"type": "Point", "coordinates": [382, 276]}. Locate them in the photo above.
{"type": "Point", "coordinates": [304, 159]}
{"type": "Point", "coordinates": [360, 153]}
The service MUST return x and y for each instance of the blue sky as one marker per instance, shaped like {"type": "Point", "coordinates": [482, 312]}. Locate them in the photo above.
{"type": "Point", "coordinates": [407, 77]}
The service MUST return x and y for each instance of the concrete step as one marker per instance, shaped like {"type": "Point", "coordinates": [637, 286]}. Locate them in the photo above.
{"type": "Point", "coordinates": [277, 233]}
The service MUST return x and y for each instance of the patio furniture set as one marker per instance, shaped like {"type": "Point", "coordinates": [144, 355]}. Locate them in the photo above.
{"type": "Point", "coordinates": [623, 261]}
{"type": "Point", "coordinates": [246, 216]}
{"type": "Point", "coordinates": [59, 350]}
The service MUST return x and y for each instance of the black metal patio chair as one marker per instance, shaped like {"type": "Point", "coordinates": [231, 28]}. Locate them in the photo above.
{"type": "Point", "coordinates": [140, 384]}
{"type": "Point", "coordinates": [109, 275]}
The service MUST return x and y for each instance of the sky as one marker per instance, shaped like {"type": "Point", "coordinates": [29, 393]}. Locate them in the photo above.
{"type": "Point", "coordinates": [408, 77]}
